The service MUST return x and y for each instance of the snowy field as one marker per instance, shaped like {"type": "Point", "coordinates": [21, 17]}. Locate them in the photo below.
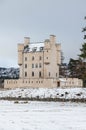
{"type": "Point", "coordinates": [42, 116]}
{"type": "Point", "coordinates": [68, 93]}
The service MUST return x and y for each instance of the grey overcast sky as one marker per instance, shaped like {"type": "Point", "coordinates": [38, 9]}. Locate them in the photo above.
{"type": "Point", "coordinates": [38, 19]}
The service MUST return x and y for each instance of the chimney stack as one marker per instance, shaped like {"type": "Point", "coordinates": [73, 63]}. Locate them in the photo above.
{"type": "Point", "coordinates": [52, 39]}
{"type": "Point", "coordinates": [26, 41]}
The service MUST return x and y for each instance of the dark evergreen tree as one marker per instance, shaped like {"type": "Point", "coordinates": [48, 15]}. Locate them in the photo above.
{"type": "Point", "coordinates": [82, 56]}
{"type": "Point", "coordinates": [83, 52]}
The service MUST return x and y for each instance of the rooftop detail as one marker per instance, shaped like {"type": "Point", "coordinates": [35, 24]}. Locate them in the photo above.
{"type": "Point", "coordinates": [34, 47]}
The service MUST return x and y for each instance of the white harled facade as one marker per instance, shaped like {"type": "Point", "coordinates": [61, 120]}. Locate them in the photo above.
{"type": "Point", "coordinates": [39, 60]}
{"type": "Point", "coordinates": [39, 65]}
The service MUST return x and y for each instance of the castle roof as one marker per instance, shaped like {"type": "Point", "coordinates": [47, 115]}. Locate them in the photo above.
{"type": "Point", "coordinates": [34, 47]}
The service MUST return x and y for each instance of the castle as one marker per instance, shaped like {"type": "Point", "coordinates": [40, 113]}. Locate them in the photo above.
{"type": "Point", "coordinates": [39, 66]}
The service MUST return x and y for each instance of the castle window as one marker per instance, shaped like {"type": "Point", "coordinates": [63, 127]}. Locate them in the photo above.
{"type": "Point", "coordinates": [25, 58]}
{"type": "Point", "coordinates": [32, 57]}
{"type": "Point", "coordinates": [40, 58]}
{"type": "Point", "coordinates": [36, 65]}
{"type": "Point", "coordinates": [34, 49]}
{"type": "Point", "coordinates": [49, 74]}
{"type": "Point", "coordinates": [41, 48]}
{"type": "Point", "coordinates": [32, 65]}
{"type": "Point", "coordinates": [32, 74]}
{"type": "Point", "coordinates": [40, 74]}
{"type": "Point", "coordinates": [56, 74]}
{"type": "Point", "coordinates": [41, 81]}
{"type": "Point", "coordinates": [47, 57]}
{"type": "Point", "coordinates": [25, 74]}
{"type": "Point", "coordinates": [40, 65]}
{"type": "Point", "coordinates": [25, 65]}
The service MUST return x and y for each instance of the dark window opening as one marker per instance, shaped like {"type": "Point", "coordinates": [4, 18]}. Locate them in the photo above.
{"type": "Point", "coordinates": [32, 74]}
{"type": "Point", "coordinates": [40, 58]}
{"type": "Point", "coordinates": [34, 49]}
{"type": "Point", "coordinates": [41, 48]}
{"type": "Point", "coordinates": [25, 74]}
{"type": "Point", "coordinates": [49, 74]}
{"type": "Point", "coordinates": [36, 65]}
{"type": "Point", "coordinates": [32, 65]}
{"type": "Point", "coordinates": [25, 65]}
{"type": "Point", "coordinates": [25, 58]}
{"type": "Point", "coordinates": [40, 65]}
{"type": "Point", "coordinates": [32, 57]}
{"type": "Point", "coordinates": [56, 74]}
{"type": "Point", "coordinates": [39, 74]}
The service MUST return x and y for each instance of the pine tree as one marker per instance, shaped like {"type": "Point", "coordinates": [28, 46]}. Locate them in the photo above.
{"type": "Point", "coordinates": [83, 49]}
{"type": "Point", "coordinates": [83, 57]}
{"type": "Point", "coordinates": [83, 52]}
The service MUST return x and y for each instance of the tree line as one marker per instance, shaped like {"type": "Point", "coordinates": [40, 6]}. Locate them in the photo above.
{"type": "Point", "coordinates": [76, 68]}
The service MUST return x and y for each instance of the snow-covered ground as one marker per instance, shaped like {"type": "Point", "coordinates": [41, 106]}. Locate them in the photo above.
{"type": "Point", "coordinates": [67, 93]}
{"type": "Point", "coordinates": [42, 116]}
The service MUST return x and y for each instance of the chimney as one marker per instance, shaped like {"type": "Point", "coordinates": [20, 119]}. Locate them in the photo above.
{"type": "Point", "coordinates": [52, 39]}
{"type": "Point", "coordinates": [26, 41]}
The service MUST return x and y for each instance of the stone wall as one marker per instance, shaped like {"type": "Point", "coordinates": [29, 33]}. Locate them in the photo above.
{"type": "Point", "coordinates": [31, 83]}
{"type": "Point", "coordinates": [43, 83]}
{"type": "Point", "coordinates": [71, 82]}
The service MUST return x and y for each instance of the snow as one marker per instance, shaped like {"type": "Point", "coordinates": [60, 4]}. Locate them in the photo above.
{"type": "Point", "coordinates": [63, 80]}
{"type": "Point", "coordinates": [42, 116]}
{"type": "Point", "coordinates": [9, 72]}
{"type": "Point", "coordinates": [33, 46]}
{"type": "Point", "coordinates": [67, 93]}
